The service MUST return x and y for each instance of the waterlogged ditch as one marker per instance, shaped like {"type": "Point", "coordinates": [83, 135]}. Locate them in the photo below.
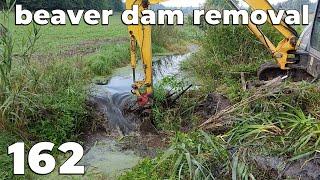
{"type": "Point", "coordinates": [122, 145]}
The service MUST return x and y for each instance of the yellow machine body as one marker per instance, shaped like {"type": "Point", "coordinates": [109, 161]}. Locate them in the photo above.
{"type": "Point", "coordinates": [141, 35]}
{"type": "Point", "coordinates": [281, 51]}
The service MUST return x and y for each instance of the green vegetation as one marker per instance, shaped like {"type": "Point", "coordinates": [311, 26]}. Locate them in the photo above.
{"type": "Point", "coordinates": [45, 93]}
{"type": "Point", "coordinates": [6, 139]}
{"type": "Point", "coordinates": [263, 123]}
{"type": "Point", "coordinates": [277, 120]}
{"type": "Point", "coordinates": [45, 73]}
{"type": "Point", "coordinates": [116, 5]}
{"type": "Point", "coordinates": [170, 38]}
{"type": "Point", "coordinates": [44, 77]}
{"type": "Point", "coordinates": [71, 40]}
{"type": "Point", "coordinates": [174, 118]}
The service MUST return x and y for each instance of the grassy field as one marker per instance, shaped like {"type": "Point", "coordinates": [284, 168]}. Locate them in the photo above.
{"type": "Point", "coordinates": [55, 39]}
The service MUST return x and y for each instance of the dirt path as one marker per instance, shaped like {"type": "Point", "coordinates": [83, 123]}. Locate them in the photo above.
{"type": "Point", "coordinates": [83, 48]}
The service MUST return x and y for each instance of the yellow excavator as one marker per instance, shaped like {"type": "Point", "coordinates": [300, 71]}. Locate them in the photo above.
{"type": "Point", "coordinates": [141, 35]}
{"type": "Point", "coordinates": [297, 57]}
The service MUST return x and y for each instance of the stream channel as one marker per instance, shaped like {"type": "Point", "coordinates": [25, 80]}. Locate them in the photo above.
{"type": "Point", "coordinates": [104, 154]}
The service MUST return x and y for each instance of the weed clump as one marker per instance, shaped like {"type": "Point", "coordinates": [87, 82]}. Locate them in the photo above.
{"type": "Point", "coordinates": [264, 125]}
{"type": "Point", "coordinates": [109, 56]}
{"type": "Point", "coordinates": [173, 116]}
{"type": "Point", "coordinates": [38, 102]}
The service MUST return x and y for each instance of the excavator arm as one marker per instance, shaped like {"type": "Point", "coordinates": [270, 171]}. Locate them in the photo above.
{"type": "Point", "coordinates": [141, 35]}
{"type": "Point", "coordinates": [281, 51]}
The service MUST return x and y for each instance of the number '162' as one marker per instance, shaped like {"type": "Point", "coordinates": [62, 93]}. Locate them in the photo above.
{"type": "Point", "coordinates": [42, 163]}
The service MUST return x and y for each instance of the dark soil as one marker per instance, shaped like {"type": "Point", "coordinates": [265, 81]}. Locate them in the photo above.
{"type": "Point", "coordinates": [280, 168]}
{"type": "Point", "coordinates": [213, 104]}
{"type": "Point", "coordinates": [89, 47]}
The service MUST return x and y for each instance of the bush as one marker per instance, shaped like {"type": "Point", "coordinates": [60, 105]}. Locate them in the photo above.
{"type": "Point", "coordinates": [61, 103]}
{"type": "Point", "coordinates": [168, 39]}
{"type": "Point", "coordinates": [194, 155]}
{"type": "Point", "coordinates": [40, 101]}
{"type": "Point", "coordinates": [226, 52]}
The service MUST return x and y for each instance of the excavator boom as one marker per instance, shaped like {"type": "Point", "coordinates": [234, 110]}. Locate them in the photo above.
{"type": "Point", "coordinates": [288, 44]}
{"type": "Point", "coordinates": [286, 30]}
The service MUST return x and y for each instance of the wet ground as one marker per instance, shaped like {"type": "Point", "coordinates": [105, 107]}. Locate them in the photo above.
{"type": "Point", "coordinates": [122, 145]}
{"type": "Point", "coordinates": [307, 169]}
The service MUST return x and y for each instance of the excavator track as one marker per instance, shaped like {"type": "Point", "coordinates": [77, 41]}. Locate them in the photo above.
{"type": "Point", "coordinates": [269, 71]}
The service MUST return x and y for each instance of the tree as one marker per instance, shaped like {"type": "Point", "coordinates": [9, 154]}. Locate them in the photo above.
{"type": "Point", "coordinates": [296, 4]}
{"type": "Point", "coordinates": [219, 4]}
{"type": "Point", "coordinates": [116, 5]}
{"type": "Point", "coordinates": [1, 5]}
{"type": "Point", "coordinates": [32, 4]}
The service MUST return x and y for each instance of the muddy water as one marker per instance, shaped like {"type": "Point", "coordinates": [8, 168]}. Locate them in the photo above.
{"type": "Point", "coordinates": [105, 155]}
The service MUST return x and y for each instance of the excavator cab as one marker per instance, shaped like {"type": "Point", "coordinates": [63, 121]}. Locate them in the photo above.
{"type": "Point", "coordinates": [308, 51]}
{"type": "Point", "coordinates": [315, 40]}
{"type": "Point", "coordinates": [314, 48]}
{"type": "Point", "coordinates": [315, 43]}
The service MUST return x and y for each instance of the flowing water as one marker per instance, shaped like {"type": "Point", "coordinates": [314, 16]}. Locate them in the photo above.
{"type": "Point", "coordinates": [116, 94]}
{"type": "Point", "coordinates": [105, 155]}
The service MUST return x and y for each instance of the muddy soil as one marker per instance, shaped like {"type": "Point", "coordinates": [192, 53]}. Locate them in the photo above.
{"type": "Point", "coordinates": [212, 104]}
{"type": "Point", "coordinates": [89, 47]}
{"type": "Point", "coordinates": [128, 129]}
{"type": "Point", "coordinates": [280, 168]}
{"type": "Point", "coordinates": [118, 144]}
{"type": "Point", "coordinates": [81, 49]}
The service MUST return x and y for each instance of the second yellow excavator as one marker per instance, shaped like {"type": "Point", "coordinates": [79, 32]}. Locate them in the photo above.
{"type": "Point", "coordinates": [297, 57]}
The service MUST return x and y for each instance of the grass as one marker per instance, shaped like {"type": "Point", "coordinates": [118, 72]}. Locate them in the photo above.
{"type": "Point", "coordinates": [56, 38]}
{"type": "Point", "coordinates": [109, 56]}
{"type": "Point", "coordinates": [280, 120]}
{"type": "Point", "coordinates": [6, 162]}
{"type": "Point", "coordinates": [46, 73]}
{"type": "Point", "coordinates": [175, 117]}
{"type": "Point", "coordinates": [44, 90]}
{"type": "Point", "coordinates": [269, 122]}
{"type": "Point", "coordinates": [223, 57]}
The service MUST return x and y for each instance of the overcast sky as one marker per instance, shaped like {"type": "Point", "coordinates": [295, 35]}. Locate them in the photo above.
{"type": "Point", "coordinates": [196, 3]}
